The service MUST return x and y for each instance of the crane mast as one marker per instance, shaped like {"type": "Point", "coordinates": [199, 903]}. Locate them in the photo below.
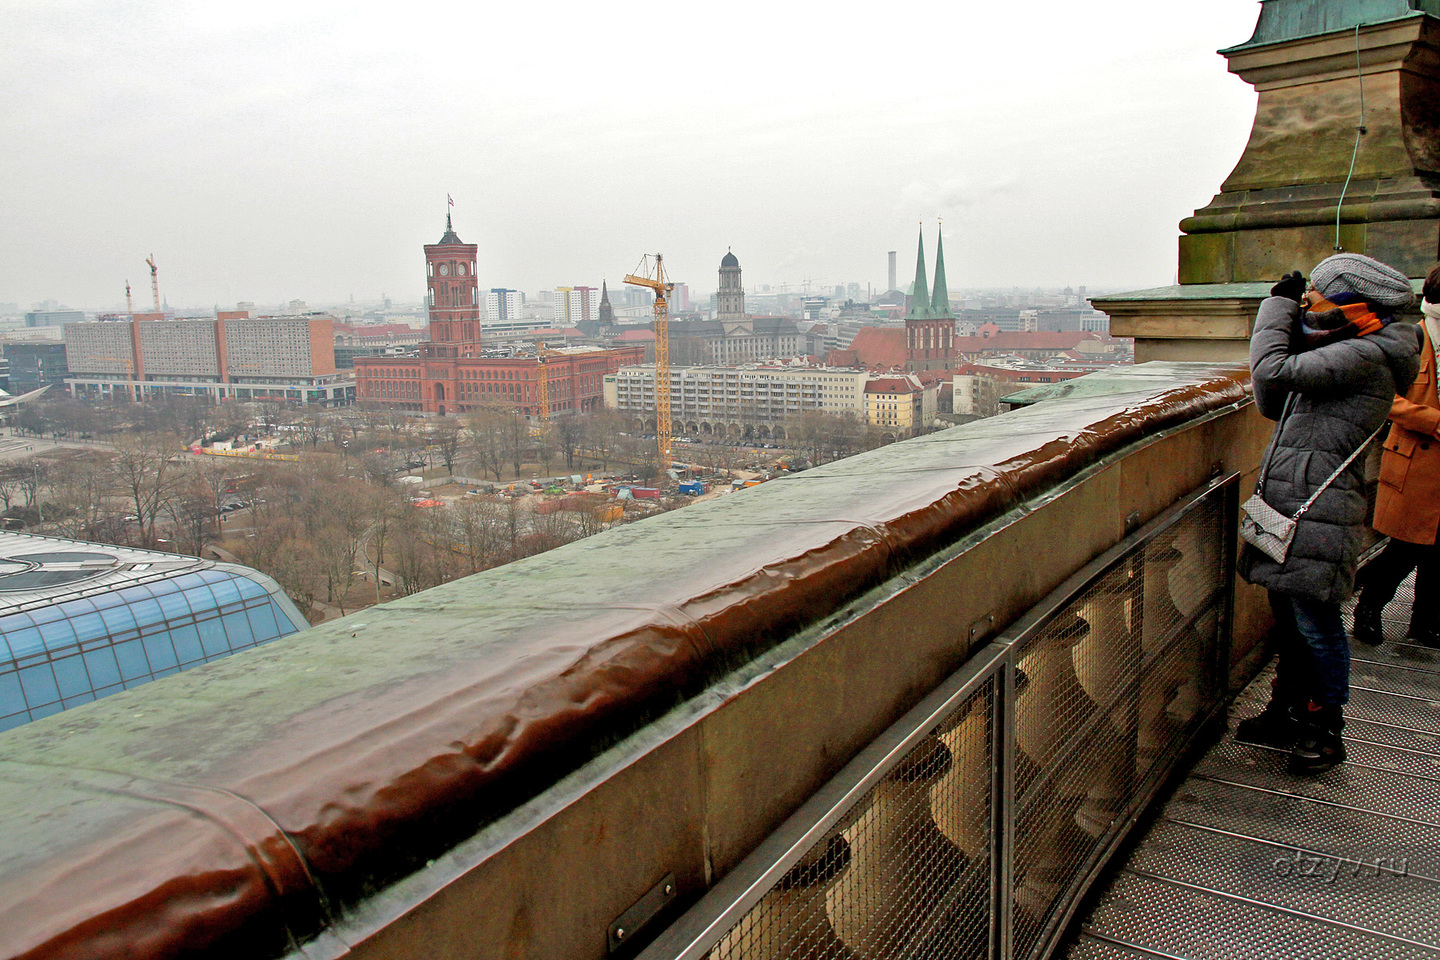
{"type": "Point", "coordinates": [154, 280]}
{"type": "Point", "coordinates": [642, 277]}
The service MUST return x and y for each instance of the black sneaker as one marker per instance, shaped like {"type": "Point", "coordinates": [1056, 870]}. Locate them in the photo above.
{"type": "Point", "coordinates": [1275, 726]}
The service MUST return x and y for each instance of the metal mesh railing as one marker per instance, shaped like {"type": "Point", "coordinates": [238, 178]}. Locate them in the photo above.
{"type": "Point", "coordinates": [971, 829]}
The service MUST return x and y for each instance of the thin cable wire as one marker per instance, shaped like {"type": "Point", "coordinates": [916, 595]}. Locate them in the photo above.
{"type": "Point", "coordinates": [1359, 133]}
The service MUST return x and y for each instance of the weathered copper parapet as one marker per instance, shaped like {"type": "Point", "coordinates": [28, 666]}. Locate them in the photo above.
{"type": "Point", "coordinates": [1309, 60]}
{"type": "Point", "coordinates": [237, 809]}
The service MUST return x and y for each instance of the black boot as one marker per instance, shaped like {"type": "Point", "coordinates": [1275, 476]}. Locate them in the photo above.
{"type": "Point", "coordinates": [1368, 628]}
{"type": "Point", "coordinates": [1424, 627]}
{"type": "Point", "coordinates": [1318, 747]}
{"type": "Point", "coordinates": [1427, 635]}
{"type": "Point", "coordinates": [1275, 726]}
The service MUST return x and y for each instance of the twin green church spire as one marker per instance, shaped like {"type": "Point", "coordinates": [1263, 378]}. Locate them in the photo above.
{"type": "Point", "coordinates": [935, 306]}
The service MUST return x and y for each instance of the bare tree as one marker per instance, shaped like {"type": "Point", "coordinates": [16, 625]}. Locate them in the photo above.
{"type": "Point", "coordinates": [445, 438]}
{"type": "Point", "coordinates": [487, 434]}
{"type": "Point", "coordinates": [79, 494]}
{"type": "Point", "coordinates": [142, 468]}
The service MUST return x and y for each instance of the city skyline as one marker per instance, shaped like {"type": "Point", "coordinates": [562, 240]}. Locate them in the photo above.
{"type": "Point", "coordinates": [277, 153]}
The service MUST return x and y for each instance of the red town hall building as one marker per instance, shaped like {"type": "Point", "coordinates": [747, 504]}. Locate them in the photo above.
{"type": "Point", "coordinates": [449, 376]}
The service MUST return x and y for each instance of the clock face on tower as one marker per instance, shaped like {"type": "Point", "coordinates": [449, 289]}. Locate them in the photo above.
{"type": "Point", "coordinates": [444, 269]}
{"type": "Point", "coordinates": [460, 269]}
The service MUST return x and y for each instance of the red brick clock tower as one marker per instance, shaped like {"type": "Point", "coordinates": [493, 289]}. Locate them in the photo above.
{"type": "Point", "coordinates": [454, 298]}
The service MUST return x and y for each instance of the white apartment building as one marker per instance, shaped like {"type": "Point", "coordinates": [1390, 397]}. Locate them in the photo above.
{"type": "Point", "coordinates": [750, 401]}
{"type": "Point", "coordinates": [503, 306]}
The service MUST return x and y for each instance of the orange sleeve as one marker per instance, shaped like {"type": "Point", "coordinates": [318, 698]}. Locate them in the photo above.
{"type": "Point", "coordinates": [1415, 416]}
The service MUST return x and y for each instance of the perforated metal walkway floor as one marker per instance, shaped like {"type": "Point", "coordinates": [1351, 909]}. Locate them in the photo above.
{"type": "Point", "coordinates": [1248, 861]}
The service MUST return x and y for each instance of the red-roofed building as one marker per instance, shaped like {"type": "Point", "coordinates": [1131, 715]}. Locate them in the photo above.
{"type": "Point", "coordinates": [991, 341]}
{"type": "Point", "coordinates": [875, 348]}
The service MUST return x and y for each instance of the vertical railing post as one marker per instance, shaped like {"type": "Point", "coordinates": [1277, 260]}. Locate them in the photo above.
{"type": "Point", "coordinates": [1003, 808]}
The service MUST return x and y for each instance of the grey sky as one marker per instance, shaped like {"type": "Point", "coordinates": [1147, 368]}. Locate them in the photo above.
{"type": "Point", "coordinates": [270, 150]}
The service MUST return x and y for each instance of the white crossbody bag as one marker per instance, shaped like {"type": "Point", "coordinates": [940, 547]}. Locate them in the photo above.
{"type": "Point", "coordinates": [1267, 529]}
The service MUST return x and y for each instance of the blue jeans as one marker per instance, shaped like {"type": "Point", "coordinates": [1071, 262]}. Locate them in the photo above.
{"type": "Point", "coordinates": [1312, 652]}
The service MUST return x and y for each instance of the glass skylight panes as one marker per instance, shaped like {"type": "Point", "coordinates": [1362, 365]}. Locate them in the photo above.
{"type": "Point", "coordinates": [213, 639]}
{"type": "Point", "coordinates": [38, 683]}
{"type": "Point", "coordinates": [160, 651]}
{"type": "Point", "coordinates": [186, 638]}
{"type": "Point", "coordinates": [58, 634]}
{"type": "Point", "coordinates": [130, 655]}
{"type": "Point", "coordinates": [102, 666]}
{"type": "Point", "coordinates": [226, 591]}
{"type": "Point", "coordinates": [87, 647]}
{"type": "Point", "coordinates": [24, 642]}
{"type": "Point", "coordinates": [88, 626]}
{"type": "Point", "coordinates": [173, 603]}
{"type": "Point", "coordinates": [249, 588]}
{"type": "Point", "coordinates": [262, 623]}
{"type": "Point", "coordinates": [71, 677]}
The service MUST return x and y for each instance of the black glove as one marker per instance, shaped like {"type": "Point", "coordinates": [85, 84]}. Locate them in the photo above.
{"type": "Point", "coordinates": [1292, 286]}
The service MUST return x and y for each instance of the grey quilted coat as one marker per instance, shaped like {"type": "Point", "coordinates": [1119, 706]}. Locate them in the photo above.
{"type": "Point", "coordinates": [1344, 391]}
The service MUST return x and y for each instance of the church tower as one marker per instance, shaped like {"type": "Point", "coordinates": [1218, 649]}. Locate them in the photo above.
{"type": "Point", "coordinates": [606, 315]}
{"type": "Point", "coordinates": [453, 298]}
{"type": "Point", "coordinates": [929, 323]}
{"type": "Point", "coordinates": [730, 303]}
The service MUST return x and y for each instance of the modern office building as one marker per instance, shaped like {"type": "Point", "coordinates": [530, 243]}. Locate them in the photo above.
{"type": "Point", "coordinates": [80, 621]}
{"type": "Point", "coordinates": [34, 364]}
{"type": "Point", "coordinates": [52, 318]}
{"type": "Point", "coordinates": [229, 356]}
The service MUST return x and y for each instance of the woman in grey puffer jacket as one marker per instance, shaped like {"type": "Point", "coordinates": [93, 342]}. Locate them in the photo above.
{"type": "Point", "coordinates": [1335, 349]}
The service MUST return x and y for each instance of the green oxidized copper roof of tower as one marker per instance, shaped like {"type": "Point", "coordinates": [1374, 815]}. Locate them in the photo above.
{"type": "Point", "coordinates": [1282, 20]}
{"type": "Point", "coordinates": [920, 292]}
{"type": "Point", "coordinates": [940, 302]}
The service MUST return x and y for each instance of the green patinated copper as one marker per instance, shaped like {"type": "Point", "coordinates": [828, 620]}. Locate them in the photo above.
{"type": "Point", "coordinates": [1282, 20]}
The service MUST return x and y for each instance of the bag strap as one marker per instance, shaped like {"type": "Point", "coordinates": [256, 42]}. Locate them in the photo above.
{"type": "Point", "coordinates": [1338, 470]}
{"type": "Point", "coordinates": [1274, 442]}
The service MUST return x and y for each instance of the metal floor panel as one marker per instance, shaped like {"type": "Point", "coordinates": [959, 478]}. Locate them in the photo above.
{"type": "Point", "coordinates": [1179, 921]}
{"type": "Point", "coordinates": [1384, 792]}
{"type": "Point", "coordinates": [1093, 948]}
{"type": "Point", "coordinates": [1307, 825]}
{"type": "Point", "coordinates": [1246, 860]}
{"type": "Point", "coordinates": [1396, 652]}
{"type": "Point", "coordinates": [1364, 893]}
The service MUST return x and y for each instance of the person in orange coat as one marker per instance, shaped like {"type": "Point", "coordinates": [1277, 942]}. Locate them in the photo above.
{"type": "Point", "coordinates": [1407, 507]}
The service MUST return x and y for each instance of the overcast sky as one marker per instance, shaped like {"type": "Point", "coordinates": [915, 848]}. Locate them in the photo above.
{"type": "Point", "coordinates": [282, 148]}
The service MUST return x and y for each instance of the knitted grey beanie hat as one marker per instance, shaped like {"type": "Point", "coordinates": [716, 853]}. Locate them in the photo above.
{"type": "Point", "coordinates": [1364, 277]}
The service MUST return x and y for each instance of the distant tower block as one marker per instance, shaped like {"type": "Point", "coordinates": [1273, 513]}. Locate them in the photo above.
{"type": "Point", "coordinates": [892, 272]}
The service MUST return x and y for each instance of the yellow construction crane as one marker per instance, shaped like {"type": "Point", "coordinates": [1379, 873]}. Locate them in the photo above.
{"type": "Point", "coordinates": [154, 280]}
{"type": "Point", "coordinates": [543, 374]}
{"type": "Point", "coordinates": [656, 282]}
